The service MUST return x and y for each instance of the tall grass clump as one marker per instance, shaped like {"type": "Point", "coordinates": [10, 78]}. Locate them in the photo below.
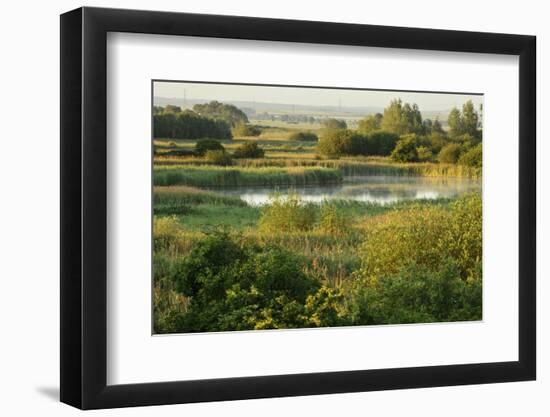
{"type": "Point", "coordinates": [287, 214]}
{"type": "Point", "coordinates": [178, 200]}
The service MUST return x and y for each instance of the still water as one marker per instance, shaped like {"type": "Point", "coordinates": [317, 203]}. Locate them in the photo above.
{"type": "Point", "coordinates": [376, 189]}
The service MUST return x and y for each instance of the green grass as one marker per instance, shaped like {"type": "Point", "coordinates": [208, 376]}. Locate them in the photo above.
{"type": "Point", "coordinates": [215, 176]}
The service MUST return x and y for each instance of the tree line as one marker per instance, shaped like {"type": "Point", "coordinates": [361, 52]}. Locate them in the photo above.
{"type": "Point", "coordinates": [212, 120]}
{"type": "Point", "coordinates": [401, 133]}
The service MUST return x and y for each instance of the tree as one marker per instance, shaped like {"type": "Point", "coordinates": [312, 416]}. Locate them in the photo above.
{"type": "Point", "coordinates": [243, 130]}
{"type": "Point", "coordinates": [248, 150]}
{"type": "Point", "coordinates": [334, 124]}
{"type": "Point", "coordinates": [470, 119]}
{"type": "Point", "coordinates": [393, 120]}
{"type": "Point", "coordinates": [405, 149]}
{"type": "Point", "coordinates": [436, 127]}
{"type": "Point", "coordinates": [370, 123]}
{"type": "Point", "coordinates": [381, 143]}
{"type": "Point", "coordinates": [172, 109]}
{"type": "Point", "coordinates": [336, 143]}
{"type": "Point", "coordinates": [402, 118]}
{"type": "Point", "coordinates": [450, 153]}
{"type": "Point", "coordinates": [454, 121]}
{"type": "Point", "coordinates": [465, 122]}
{"type": "Point", "coordinates": [227, 112]}
{"type": "Point", "coordinates": [205, 145]}
{"type": "Point", "coordinates": [188, 125]}
{"type": "Point", "coordinates": [473, 157]}
{"type": "Point", "coordinates": [304, 137]}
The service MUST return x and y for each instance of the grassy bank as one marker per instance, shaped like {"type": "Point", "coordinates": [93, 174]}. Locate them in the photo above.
{"type": "Point", "coordinates": [216, 176]}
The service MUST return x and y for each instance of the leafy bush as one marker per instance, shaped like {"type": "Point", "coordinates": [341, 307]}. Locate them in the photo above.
{"type": "Point", "coordinates": [249, 150]}
{"type": "Point", "coordinates": [202, 146]}
{"type": "Point", "coordinates": [426, 236]}
{"type": "Point", "coordinates": [188, 125]}
{"type": "Point", "coordinates": [381, 143]}
{"type": "Point", "coordinates": [450, 153]}
{"type": "Point", "coordinates": [304, 136]}
{"type": "Point", "coordinates": [405, 149]}
{"type": "Point", "coordinates": [225, 112]}
{"type": "Point", "coordinates": [334, 124]}
{"type": "Point", "coordinates": [424, 154]}
{"type": "Point", "coordinates": [219, 158]}
{"type": "Point", "coordinates": [177, 152]}
{"type": "Point", "coordinates": [232, 286]}
{"type": "Point", "coordinates": [417, 294]}
{"type": "Point", "coordinates": [336, 143]}
{"type": "Point", "coordinates": [243, 130]}
{"type": "Point", "coordinates": [286, 214]}
{"type": "Point", "coordinates": [473, 157]}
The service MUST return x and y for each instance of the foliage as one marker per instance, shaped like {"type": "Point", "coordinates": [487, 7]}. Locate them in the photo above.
{"type": "Point", "coordinates": [244, 130]}
{"type": "Point", "coordinates": [233, 286]}
{"type": "Point", "coordinates": [402, 118]}
{"type": "Point", "coordinates": [303, 136]}
{"type": "Point", "coordinates": [406, 149]}
{"type": "Point", "coordinates": [370, 124]}
{"type": "Point", "coordinates": [202, 146]}
{"type": "Point", "coordinates": [216, 176]}
{"type": "Point", "coordinates": [417, 294]}
{"type": "Point", "coordinates": [332, 221]}
{"type": "Point", "coordinates": [229, 113]}
{"type": "Point", "coordinates": [287, 214]}
{"type": "Point", "coordinates": [424, 154]}
{"type": "Point", "coordinates": [334, 124]}
{"type": "Point", "coordinates": [219, 158]}
{"type": "Point", "coordinates": [450, 153]}
{"type": "Point", "coordinates": [381, 143]}
{"type": "Point", "coordinates": [426, 236]}
{"type": "Point", "coordinates": [465, 122]}
{"type": "Point", "coordinates": [188, 125]}
{"type": "Point", "coordinates": [249, 150]}
{"type": "Point", "coordinates": [336, 143]}
{"type": "Point", "coordinates": [473, 157]}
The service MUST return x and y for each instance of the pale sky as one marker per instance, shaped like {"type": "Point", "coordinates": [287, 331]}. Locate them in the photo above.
{"type": "Point", "coordinates": [309, 96]}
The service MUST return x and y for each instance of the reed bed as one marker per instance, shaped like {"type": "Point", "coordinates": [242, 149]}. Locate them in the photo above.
{"type": "Point", "coordinates": [209, 176]}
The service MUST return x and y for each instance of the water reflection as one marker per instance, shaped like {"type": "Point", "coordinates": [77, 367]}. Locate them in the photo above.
{"type": "Point", "coordinates": [377, 189]}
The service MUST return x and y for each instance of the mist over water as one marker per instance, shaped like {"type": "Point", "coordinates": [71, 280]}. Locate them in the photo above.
{"type": "Point", "coordinates": [374, 189]}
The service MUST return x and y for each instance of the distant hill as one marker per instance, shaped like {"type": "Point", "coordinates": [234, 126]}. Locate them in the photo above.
{"type": "Point", "coordinates": [250, 108]}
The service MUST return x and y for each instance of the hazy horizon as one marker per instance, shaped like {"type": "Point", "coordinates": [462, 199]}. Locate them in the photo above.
{"type": "Point", "coordinates": [308, 96]}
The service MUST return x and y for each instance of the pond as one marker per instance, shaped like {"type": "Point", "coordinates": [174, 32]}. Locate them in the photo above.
{"type": "Point", "coordinates": [376, 189]}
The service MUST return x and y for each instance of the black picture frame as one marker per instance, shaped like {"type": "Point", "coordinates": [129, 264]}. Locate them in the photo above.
{"type": "Point", "coordinates": [84, 207]}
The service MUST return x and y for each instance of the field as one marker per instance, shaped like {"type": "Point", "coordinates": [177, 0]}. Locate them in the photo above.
{"type": "Point", "coordinates": [298, 258]}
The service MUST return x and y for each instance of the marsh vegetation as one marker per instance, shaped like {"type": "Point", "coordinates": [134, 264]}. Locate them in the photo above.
{"type": "Point", "coordinates": [308, 221]}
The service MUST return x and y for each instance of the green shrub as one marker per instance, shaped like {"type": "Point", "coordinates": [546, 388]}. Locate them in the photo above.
{"type": "Point", "coordinates": [424, 154]}
{"type": "Point", "coordinates": [450, 153]}
{"type": "Point", "coordinates": [426, 236]}
{"type": "Point", "coordinates": [202, 146]}
{"type": "Point", "coordinates": [336, 143]}
{"type": "Point", "coordinates": [405, 149]}
{"type": "Point", "coordinates": [287, 214]}
{"type": "Point", "coordinates": [232, 286]}
{"type": "Point", "coordinates": [381, 143]}
{"type": "Point", "coordinates": [332, 221]}
{"type": "Point", "coordinates": [473, 157]}
{"type": "Point", "coordinates": [243, 130]}
{"type": "Point", "coordinates": [417, 294]}
{"type": "Point", "coordinates": [249, 150]}
{"type": "Point", "coordinates": [219, 158]}
{"type": "Point", "coordinates": [304, 136]}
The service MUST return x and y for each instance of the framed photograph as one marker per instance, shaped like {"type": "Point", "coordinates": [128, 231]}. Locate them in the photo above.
{"type": "Point", "coordinates": [256, 208]}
